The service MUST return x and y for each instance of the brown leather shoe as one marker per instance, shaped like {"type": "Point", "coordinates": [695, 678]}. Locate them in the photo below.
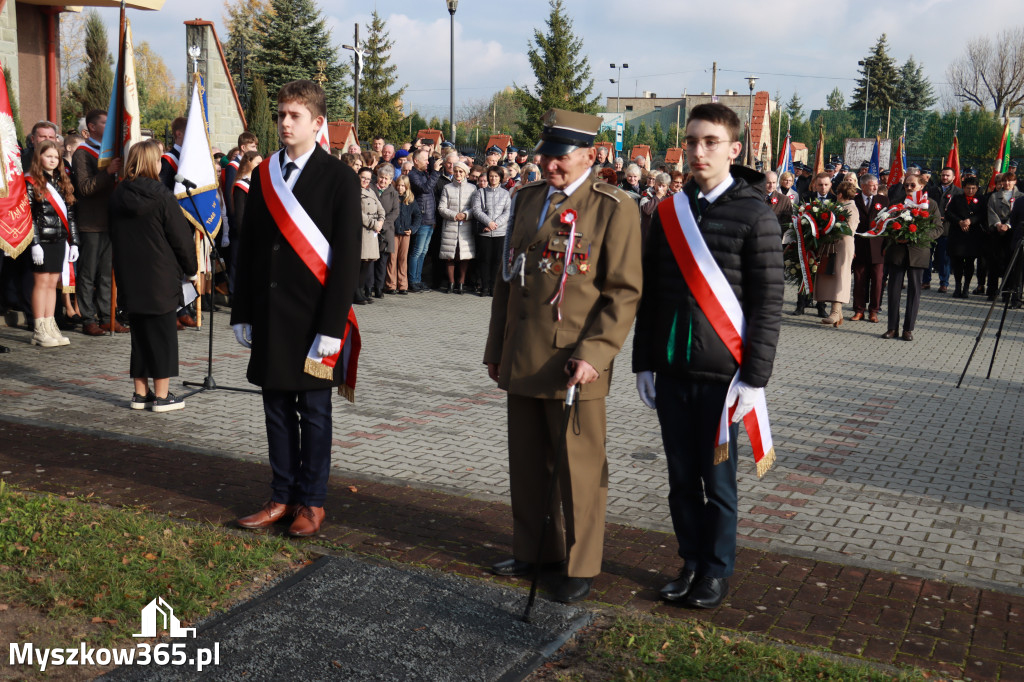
{"type": "Point", "coordinates": [268, 515]}
{"type": "Point", "coordinates": [943, 288]}
{"type": "Point", "coordinates": [872, 317]}
{"type": "Point", "coordinates": [187, 320]}
{"type": "Point", "coordinates": [908, 336]}
{"type": "Point", "coordinates": [92, 329]}
{"type": "Point", "coordinates": [121, 328]}
{"type": "Point", "coordinates": [857, 317]}
{"type": "Point", "coordinates": [890, 334]}
{"type": "Point", "coordinates": [180, 325]}
{"type": "Point", "coordinates": [307, 521]}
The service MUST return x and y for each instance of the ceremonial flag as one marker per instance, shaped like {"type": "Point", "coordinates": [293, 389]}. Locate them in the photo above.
{"type": "Point", "coordinates": [15, 213]}
{"type": "Point", "coordinates": [875, 162]}
{"type": "Point", "coordinates": [899, 161]}
{"type": "Point", "coordinates": [196, 164]}
{"type": "Point", "coordinates": [819, 153]}
{"type": "Point", "coordinates": [127, 124]}
{"type": "Point", "coordinates": [1002, 163]}
{"type": "Point", "coordinates": [323, 137]}
{"type": "Point", "coordinates": [785, 164]}
{"type": "Point", "coordinates": [953, 161]}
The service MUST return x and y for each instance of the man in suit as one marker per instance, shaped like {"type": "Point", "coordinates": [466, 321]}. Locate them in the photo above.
{"type": "Point", "coordinates": [542, 341]}
{"type": "Point", "coordinates": [169, 161]}
{"type": "Point", "coordinates": [298, 266]}
{"type": "Point", "coordinates": [821, 189]}
{"type": "Point", "coordinates": [868, 261]}
{"type": "Point", "coordinates": [780, 203]}
{"type": "Point", "coordinates": [942, 194]}
{"type": "Point", "coordinates": [713, 247]}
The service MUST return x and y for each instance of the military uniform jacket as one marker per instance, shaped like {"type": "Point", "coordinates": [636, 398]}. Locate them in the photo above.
{"type": "Point", "coordinates": [526, 339]}
{"type": "Point", "coordinates": [274, 290]}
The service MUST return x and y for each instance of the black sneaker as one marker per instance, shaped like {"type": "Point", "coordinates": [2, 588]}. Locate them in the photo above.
{"type": "Point", "coordinates": [140, 402]}
{"type": "Point", "coordinates": [167, 404]}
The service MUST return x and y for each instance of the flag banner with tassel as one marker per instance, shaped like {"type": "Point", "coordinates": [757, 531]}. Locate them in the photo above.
{"type": "Point", "coordinates": [953, 161]}
{"type": "Point", "coordinates": [898, 169]}
{"type": "Point", "coordinates": [785, 164]}
{"type": "Point", "coordinates": [875, 162]}
{"type": "Point", "coordinates": [15, 213]}
{"type": "Point", "coordinates": [130, 129]}
{"type": "Point", "coordinates": [196, 164]}
{"type": "Point", "coordinates": [1002, 162]}
{"type": "Point", "coordinates": [819, 153]}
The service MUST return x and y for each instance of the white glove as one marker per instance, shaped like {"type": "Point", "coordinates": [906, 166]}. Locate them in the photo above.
{"type": "Point", "coordinates": [328, 346]}
{"type": "Point", "coordinates": [37, 254]}
{"type": "Point", "coordinates": [645, 387]}
{"type": "Point", "coordinates": [224, 239]}
{"type": "Point", "coordinates": [744, 396]}
{"type": "Point", "coordinates": [72, 254]}
{"type": "Point", "coordinates": [243, 334]}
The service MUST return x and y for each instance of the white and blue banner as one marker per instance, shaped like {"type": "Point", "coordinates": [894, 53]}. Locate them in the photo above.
{"type": "Point", "coordinates": [874, 164]}
{"type": "Point", "coordinates": [196, 164]}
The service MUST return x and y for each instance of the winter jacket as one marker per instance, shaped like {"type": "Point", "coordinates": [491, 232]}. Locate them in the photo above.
{"type": "Point", "coordinates": [47, 226]}
{"type": "Point", "coordinates": [422, 184]}
{"type": "Point", "coordinates": [491, 204]}
{"type": "Point", "coordinates": [389, 200]}
{"type": "Point", "coordinates": [372, 212]}
{"type": "Point", "coordinates": [673, 334]}
{"type": "Point", "coordinates": [455, 199]}
{"type": "Point", "coordinates": [408, 217]}
{"type": "Point", "coordinates": [153, 247]}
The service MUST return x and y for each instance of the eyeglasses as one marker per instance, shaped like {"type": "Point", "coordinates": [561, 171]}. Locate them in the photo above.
{"type": "Point", "coordinates": [709, 143]}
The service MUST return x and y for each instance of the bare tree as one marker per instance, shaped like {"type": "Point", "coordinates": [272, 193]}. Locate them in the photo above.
{"type": "Point", "coordinates": [990, 71]}
{"type": "Point", "coordinates": [72, 45]}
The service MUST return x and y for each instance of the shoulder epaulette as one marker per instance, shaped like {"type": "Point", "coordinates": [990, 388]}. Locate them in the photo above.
{"type": "Point", "coordinates": [535, 183]}
{"type": "Point", "coordinates": [610, 190]}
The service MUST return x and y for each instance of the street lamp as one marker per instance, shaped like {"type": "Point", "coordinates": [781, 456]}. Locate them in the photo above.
{"type": "Point", "coordinates": [867, 93]}
{"type": "Point", "coordinates": [618, 84]}
{"type": "Point", "coordinates": [358, 56]}
{"type": "Point", "coordinates": [751, 79]}
{"type": "Point", "coordinates": [452, 5]}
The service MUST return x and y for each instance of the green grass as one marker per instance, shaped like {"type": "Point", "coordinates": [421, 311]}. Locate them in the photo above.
{"type": "Point", "coordinates": [74, 560]}
{"type": "Point", "coordinates": [644, 648]}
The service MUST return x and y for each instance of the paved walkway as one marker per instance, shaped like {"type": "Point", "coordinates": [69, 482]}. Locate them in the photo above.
{"type": "Point", "coordinates": [883, 464]}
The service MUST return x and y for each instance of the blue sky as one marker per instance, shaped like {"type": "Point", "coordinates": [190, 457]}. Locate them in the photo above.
{"type": "Point", "coordinates": [668, 44]}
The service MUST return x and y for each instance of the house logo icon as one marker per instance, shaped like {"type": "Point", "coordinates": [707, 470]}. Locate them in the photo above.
{"type": "Point", "coordinates": [159, 615]}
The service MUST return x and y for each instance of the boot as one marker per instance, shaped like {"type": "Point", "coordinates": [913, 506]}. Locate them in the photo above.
{"type": "Point", "coordinates": [41, 334]}
{"type": "Point", "coordinates": [55, 332]}
{"type": "Point", "coordinates": [801, 303]}
{"type": "Point", "coordinates": [459, 288]}
{"type": "Point", "coordinates": [835, 318]}
{"type": "Point", "coordinates": [821, 310]}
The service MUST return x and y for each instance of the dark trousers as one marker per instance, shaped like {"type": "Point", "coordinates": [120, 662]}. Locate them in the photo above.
{"type": "Point", "coordinates": [366, 274]}
{"type": "Point", "coordinates": [897, 274]}
{"type": "Point", "coordinates": [488, 260]}
{"type": "Point", "coordinates": [380, 271]}
{"type": "Point", "coordinates": [867, 278]}
{"type": "Point", "coordinates": [299, 440]}
{"type": "Point", "coordinates": [702, 497]}
{"type": "Point", "coordinates": [93, 285]}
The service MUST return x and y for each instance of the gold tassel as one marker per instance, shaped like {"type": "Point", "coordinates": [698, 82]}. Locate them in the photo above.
{"type": "Point", "coordinates": [347, 392]}
{"type": "Point", "coordinates": [766, 463]}
{"type": "Point", "coordinates": [319, 370]}
{"type": "Point", "coordinates": [721, 453]}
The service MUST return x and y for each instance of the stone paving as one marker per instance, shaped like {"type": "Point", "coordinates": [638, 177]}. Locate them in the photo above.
{"type": "Point", "coordinates": [882, 462]}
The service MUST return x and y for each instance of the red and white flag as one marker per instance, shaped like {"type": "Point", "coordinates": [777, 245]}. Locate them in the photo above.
{"type": "Point", "coordinates": [15, 213]}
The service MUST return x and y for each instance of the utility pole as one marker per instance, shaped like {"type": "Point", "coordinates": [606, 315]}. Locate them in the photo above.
{"type": "Point", "coordinates": [714, 79]}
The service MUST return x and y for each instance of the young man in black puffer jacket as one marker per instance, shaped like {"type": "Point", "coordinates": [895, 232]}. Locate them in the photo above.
{"type": "Point", "coordinates": [684, 368]}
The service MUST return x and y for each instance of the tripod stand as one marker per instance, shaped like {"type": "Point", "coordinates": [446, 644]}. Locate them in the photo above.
{"type": "Point", "coordinates": [208, 383]}
{"type": "Point", "coordinates": [1007, 295]}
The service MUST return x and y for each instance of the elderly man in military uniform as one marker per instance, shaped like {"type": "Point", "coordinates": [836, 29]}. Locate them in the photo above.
{"type": "Point", "coordinates": [559, 322]}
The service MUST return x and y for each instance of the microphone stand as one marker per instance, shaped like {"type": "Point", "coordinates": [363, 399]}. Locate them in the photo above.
{"type": "Point", "coordinates": [208, 383]}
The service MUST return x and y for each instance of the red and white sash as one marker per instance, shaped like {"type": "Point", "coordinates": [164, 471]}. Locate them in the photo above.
{"type": "Point", "coordinates": [242, 184]}
{"type": "Point", "coordinates": [719, 304]}
{"type": "Point", "coordinates": [67, 273]}
{"type": "Point", "coordinates": [171, 159]}
{"type": "Point", "coordinates": [309, 243]}
{"type": "Point", "coordinates": [89, 148]}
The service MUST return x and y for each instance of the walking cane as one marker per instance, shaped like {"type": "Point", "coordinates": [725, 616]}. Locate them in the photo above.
{"type": "Point", "coordinates": [560, 454]}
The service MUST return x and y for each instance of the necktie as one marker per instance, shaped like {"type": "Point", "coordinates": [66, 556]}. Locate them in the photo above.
{"type": "Point", "coordinates": [289, 168]}
{"type": "Point", "coordinates": [554, 201]}
{"type": "Point", "coordinates": [768, 199]}
{"type": "Point", "coordinates": [702, 205]}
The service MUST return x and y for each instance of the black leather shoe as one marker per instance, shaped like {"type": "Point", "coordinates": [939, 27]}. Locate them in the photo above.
{"type": "Point", "coordinates": [680, 587]}
{"type": "Point", "coordinates": [573, 589]}
{"type": "Point", "coordinates": [516, 567]}
{"type": "Point", "coordinates": [908, 336]}
{"type": "Point", "coordinates": [821, 310]}
{"type": "Point", "coordinates": [4, 349]}
{"type": "Point", "coordinates": [708, 593]}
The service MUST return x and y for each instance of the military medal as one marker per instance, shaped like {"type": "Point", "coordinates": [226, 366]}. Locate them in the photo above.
{"type": "Point", "coordinates": [584, 267]}
{"type": "Point", "coordinates": [544, 265]}
{"type": "Point", "coordinates": [571, 269]}
{"type": "Point", "coordinates": [556, 267]}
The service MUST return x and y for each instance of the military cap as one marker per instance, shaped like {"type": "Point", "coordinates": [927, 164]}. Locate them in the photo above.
{"type": "Point", "coordinates": [1014, 164]}
{"type": "Point", "coordinates": [566, 131]}
{"type": "Point", "coordinates": [447, 145]}
{"type": "Point", "coordinates": [493, 149]}
{"type": "Point", "coordinates": [865, 164]}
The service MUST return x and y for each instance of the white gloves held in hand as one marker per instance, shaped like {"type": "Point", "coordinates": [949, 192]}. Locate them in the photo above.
{"type": "Point", "coordinates": [744, 396]}
{"type": "Point", "coordinates": [329, 345]}
{"type": "Point", "coordinates": [72, 254]}
{"type": "Point", "coordinates": [243, 334]}
{"type": "Point", "coordinates": [37, 254]}
{"type": "Point", "coordinates": [645, 387]}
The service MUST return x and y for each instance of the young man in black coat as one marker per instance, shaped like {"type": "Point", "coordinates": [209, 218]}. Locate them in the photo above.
{"type": "Point", "coordinates": [684, 368]}
{"type": "Point", "coordinates": [298, 266]}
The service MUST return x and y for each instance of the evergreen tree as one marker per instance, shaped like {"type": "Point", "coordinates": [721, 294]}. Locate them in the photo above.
{"type": "Point", "coordinates": [293, 39]}
{"type": "Point", "coordinates": [914, 91]}
{"type": "Point", "coordinates": [415, 123]}
{"type": "Point", "coordinates": [835, 100]}
{"type": "Point", "coordinates": [435, 124]}
{"type": "Point", "coordinates": [93, 87]}
{"type": "Point", "coordinates": [658, 137]}
{"type": "Point", "coordinates": [259, 118]}
{"type": "Point", "coordinates": [794, 107]}
{"type": "Point", "coordinates": [879, 70]}
{"type": "Point", "coordinates": [562, 71]}
{"type": "Point", "coordinates": [380, 113]}
{"type": "Point", "coordinates": [241, 19]}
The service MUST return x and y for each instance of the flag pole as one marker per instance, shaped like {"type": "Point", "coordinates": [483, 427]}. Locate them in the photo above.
{"type": "Point", "coordinates": [117, 120]}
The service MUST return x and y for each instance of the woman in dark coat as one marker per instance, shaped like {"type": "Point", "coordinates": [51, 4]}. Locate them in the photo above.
{"type": "Point", "coordinates": [54, 238]}
{"type": "Point", "coordinates": [153, 253]}
{"type": "Point", "coordinates": [965, 215]}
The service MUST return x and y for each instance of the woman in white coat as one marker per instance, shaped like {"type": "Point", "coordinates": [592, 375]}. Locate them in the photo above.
{"type": "Point", "coordinates": [457, 240]}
